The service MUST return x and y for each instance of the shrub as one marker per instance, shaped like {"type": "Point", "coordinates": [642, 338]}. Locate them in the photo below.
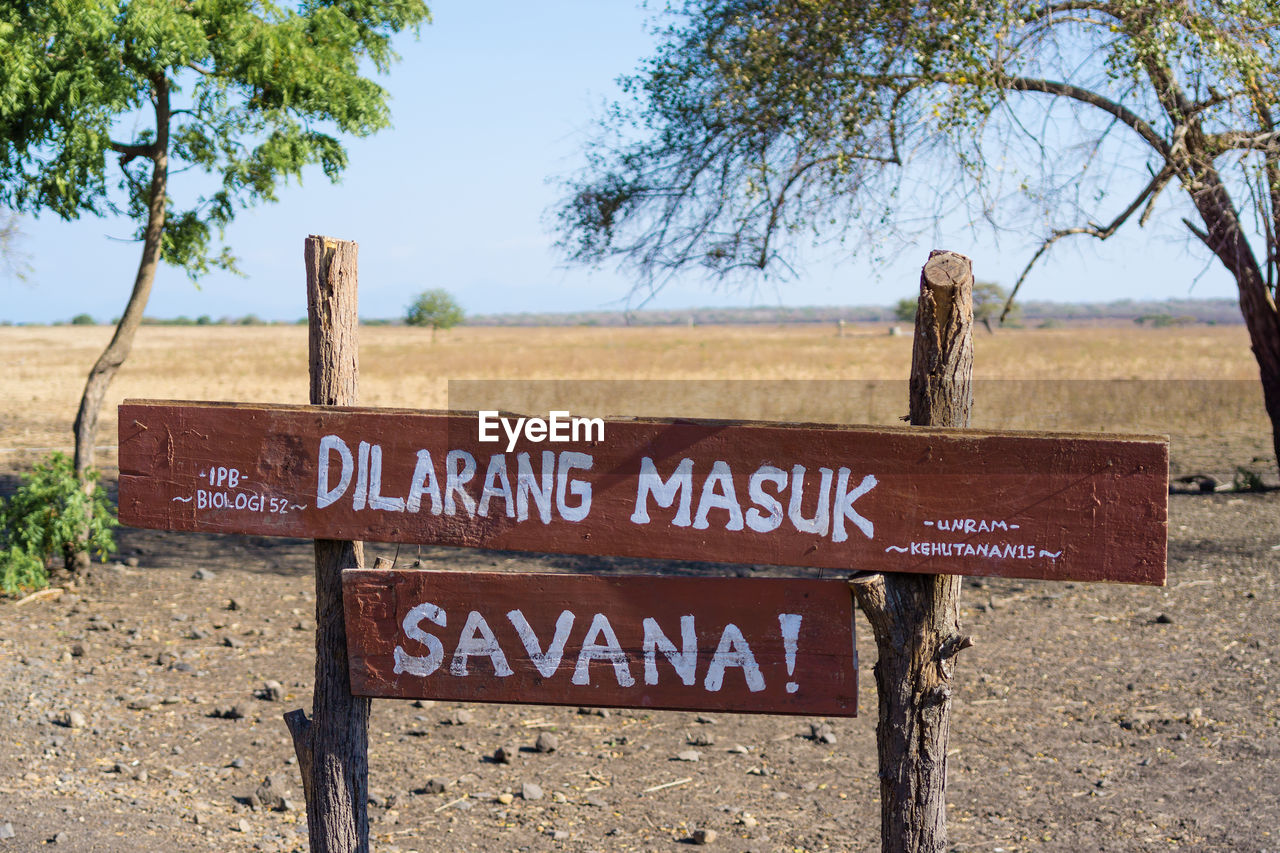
{"type": "Point", "coordinates": [83, 320]}
{"type": "Point", "coordinates": [49, 517]}
{"type": "Point", "coordinates": [21, 571]}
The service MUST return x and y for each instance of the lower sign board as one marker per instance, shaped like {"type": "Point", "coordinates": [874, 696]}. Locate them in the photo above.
{"type": "Point", "coordinates": [758, 645]}
{"type": "Point", "coordinates": [973, 502]}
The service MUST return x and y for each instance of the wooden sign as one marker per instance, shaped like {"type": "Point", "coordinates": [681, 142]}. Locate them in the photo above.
{"type": "Point", "coordinates": [1051, 506]}
{"type": "Point", "coordinates": [759, 645]}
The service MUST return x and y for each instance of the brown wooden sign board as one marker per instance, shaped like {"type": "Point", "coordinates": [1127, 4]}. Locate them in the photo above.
{"type": "Point", "coordinates": [758, 645]}
{"type": "Point", "coordinates": [1030, 505]}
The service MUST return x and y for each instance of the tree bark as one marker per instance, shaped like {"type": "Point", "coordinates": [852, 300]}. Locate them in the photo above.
{"type": "Point", "coordinates": [109, 362]}
{"type": "Point", "coordinates": [916, 618]}
{"type": "Point", "coordinates": [333, 746]}
{"type": "Point", "coordinates": [104, 370]}
{"type": "Point", "coordinates": [1226, 238]}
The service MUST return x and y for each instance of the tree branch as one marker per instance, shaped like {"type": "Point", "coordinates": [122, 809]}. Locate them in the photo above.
{"type": "Point", "coordinates": [1102, 232]}
{"type": "Point", "coordinates": [129, 153]}
{"type": "Point", "coordinates": [1243, 140]}
{"type": "Point", "coordinates": [1122, 113]}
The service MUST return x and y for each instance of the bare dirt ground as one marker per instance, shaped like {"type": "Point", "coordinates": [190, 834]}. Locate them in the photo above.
{"type": "Point", "coordinates": [1087, 716]}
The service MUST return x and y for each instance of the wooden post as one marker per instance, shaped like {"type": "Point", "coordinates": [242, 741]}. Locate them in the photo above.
{"type": "Point", "coordinates": [333, 746]}
{"type": "Point", "coordinates": [916, 618]}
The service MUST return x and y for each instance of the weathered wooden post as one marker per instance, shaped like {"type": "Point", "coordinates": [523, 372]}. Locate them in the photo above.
{"type": "Point", "coordinates": [907, 502]}
{"type": "Point", "coordinates": [916, 617]}
{"type": "Point", "coordinates": [333, 746]}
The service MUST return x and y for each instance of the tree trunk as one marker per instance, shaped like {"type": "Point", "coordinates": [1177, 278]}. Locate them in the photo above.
{"type": "Point", "coordinates": [916, 618]}
{"type": "Point", "coordinates": [333, 746]}
{"type": "Point", "coordinates": [104, 370]}
{"type": "Point", "coordinates": [1226, 238]}
{"type": "Point", "coordinates": [109, 362]}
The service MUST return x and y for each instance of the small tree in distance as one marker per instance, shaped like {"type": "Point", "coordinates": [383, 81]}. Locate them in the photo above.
{"type": "Point", "coordinates": [905, 309]}
{"type": "Point", "coordinates": [989, 302]}
{"type": "Point", "coordinates": [435, 308]}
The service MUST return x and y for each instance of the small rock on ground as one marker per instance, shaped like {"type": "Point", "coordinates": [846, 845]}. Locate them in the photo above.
{"type": "Point", "coordinates": [72, 720]}
{"type": "Point", "coordinates": [822, 733]}
{"type": "Point", "coordinates": [436, 785]}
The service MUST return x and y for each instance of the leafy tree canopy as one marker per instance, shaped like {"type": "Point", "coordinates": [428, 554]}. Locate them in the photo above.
{"type": "Point", "coordinates": [761, 125]}
{"type": "Point", "coordinates": [248, 92]}
{"type": "Point", "coordinates": [435, 308]}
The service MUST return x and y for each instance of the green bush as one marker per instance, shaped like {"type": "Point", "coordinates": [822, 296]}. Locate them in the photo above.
{"type": "Point", "coordinates": [49, 517]}
{"type": "Point", "coordinates": [21, 571]}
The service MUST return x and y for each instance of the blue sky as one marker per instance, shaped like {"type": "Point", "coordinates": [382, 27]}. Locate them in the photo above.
{"type": "Point", "coordinates": [490, 104]}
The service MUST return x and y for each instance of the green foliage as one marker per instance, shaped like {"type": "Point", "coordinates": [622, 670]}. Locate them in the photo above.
{"type": "Point", "coordinates": [99, 99]}
{"type": "Point", "coordinates": [51, 517]}
{"type": "Point", "coordinates": [988, 302]}
{"type": "Point", "coordinates": [83, 320]}
{"type": "Point", "coordinates": [905, 309]}
{"type": "Point", "coordinates": [20, 571]}
{"type": "Point", "coordinates": [762, 127]}
{"type": "Point", "coordinates": [435, 308]}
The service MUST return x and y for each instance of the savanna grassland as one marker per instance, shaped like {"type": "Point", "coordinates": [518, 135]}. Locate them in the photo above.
{"type": "Point", "coordinates": [1064, 378]}
{"type": "Point", "coordinates": [143, 706]}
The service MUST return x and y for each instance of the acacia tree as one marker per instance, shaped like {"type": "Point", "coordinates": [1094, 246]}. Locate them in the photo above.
{"type": "Point", "coordinates": [760, 126]}
{"type": "Point", "coordinates": [101, 101]}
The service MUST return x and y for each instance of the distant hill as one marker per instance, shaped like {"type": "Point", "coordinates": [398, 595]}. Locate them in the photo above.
{"type": "Point", "coordinates": [1157, 313]}
{"type": "Point", "coordinates": [1163, 312]}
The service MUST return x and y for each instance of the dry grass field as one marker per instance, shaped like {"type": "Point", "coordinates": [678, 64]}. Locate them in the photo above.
{"type": "Point", "coordinates": [1087, 716]}
{"type": "Point", "coordinates": [1065, 378]}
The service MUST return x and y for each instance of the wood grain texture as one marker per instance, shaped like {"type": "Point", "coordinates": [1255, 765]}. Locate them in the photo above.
{"type": "Point", "coordinates": [336, 738]}
{"type": "Point", "coordinates": [1067, 507]}
{"type": "Point", "coordinates": [738, 626]}
{"type": "Point", "coordinates": [916, 617]}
